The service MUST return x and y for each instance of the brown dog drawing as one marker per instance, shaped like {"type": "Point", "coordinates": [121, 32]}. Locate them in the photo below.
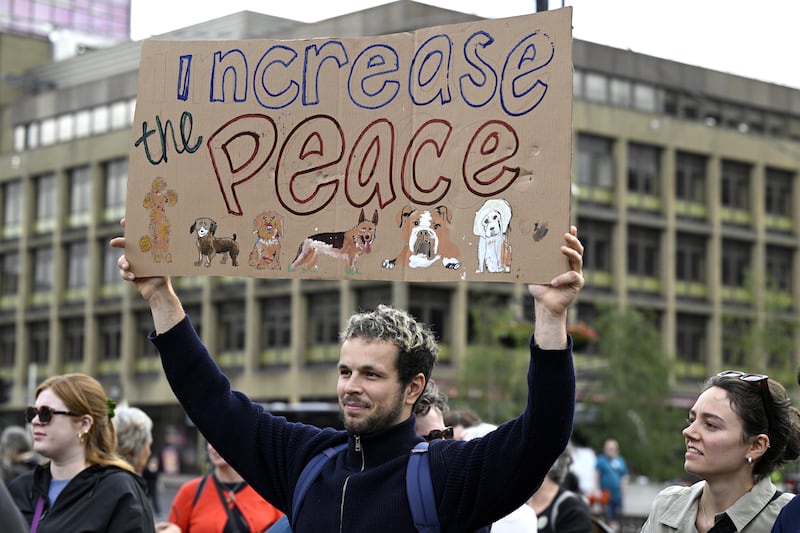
{"type": "Point", "coordinates": [426, 237]}
{"type": "Point", "coordinates": [208, 245]}
{"type": "Point", "coordinates": [345, 245]}
{"type": "Point", "coordinates": [268, 228]}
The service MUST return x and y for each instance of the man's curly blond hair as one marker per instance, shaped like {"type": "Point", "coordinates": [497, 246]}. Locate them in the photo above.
{"type": "Point", "coordinates": [415, 342]}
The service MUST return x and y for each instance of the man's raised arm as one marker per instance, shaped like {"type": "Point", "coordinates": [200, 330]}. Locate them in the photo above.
{"type": "Point", "coordinates": [551, 301]}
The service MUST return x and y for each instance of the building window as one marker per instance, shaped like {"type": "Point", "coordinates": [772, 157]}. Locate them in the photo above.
{"type": "Point", "coordinates": [778, 196]}
{"type": "Point", "coordinates": [690, 258]}
{"type": "Point", "coordinates": [12, 207]}
{"type": "Point", "coordinates": [596, 238]}
{"type": "Point", "coordinates": [100, 119]}
{"type": "Point", "coordinates": [324, 317]}
{"type": "Point", "coordinates": [66, 127]}
{"type": "Point", "coordinates": [80, 194]}
{"type": "Point", "coordinates": [645, 98]}
{"type": "Point", "coordinates": [690, 341]}
{"type": "Point", "coordinates": [110, 269]}
{"type": "Point", "coordinates": [620, 92]}
{"type": "Point", "coordinates": [72, 349]}
{"type": "Point", "coordinates": [779, 268]}
{"type": "Point", "coordinates": [577, 83]}
{"type": "Point", "coordinates": [38, 342]}
{"type": "Point", "coordinates": [116, 182]}
{"type": "Point", "coordinates": [119, 115]}
{"type": "Point", "coordinates": [690, 177]}
{"type": "Point", "coordinates": [371, 296]}
{"type": "Point", "coordinates": [19, 138]}
{"type": "Point", "coordinates": [8, 345]}
{"type": "Point", "coordinates": [643, 251]}
{"type": "Point", "coordinates": [643, 169]}
{"type": "Point", "coordinates": [83, 124]}
{"type": "Point", "coordinates": [595, 161]}
{"type": "Point", "coordinates": [45, 187]}
{"type": "Point", "coordinates": [596, 88]}
{"type": "Point", "coordinates": [42, 269]}
{"type": "Point", "coordinates": [77, 265]}
{"type": "Point", "coordinates": [431, 306]}
{"type": "Point", "coordinates": [33, 135]}
{"type": "Point", "coordinates": [48, 132]}
{"type": "Point", "coordinates": [735, 185]}
{"type": "Point", "coordinates": [144, 327]}
{"type": "Point", "coordinates": [232, 325]}
{"type": "Point", "coordinates": [9, 274]}
{"type": "Point", "coordinates": [276, 323]}
{"type": "Point", "coordinates": [735, 262]}
{"type": "Point", "coordinates": [110, 330]}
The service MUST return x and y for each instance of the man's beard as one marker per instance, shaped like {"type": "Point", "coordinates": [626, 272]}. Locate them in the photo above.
{"type": "Point", "coordinates": [377, 421]}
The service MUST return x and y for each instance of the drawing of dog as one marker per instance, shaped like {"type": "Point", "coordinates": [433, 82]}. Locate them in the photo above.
{"type": "Point", "coordinates": [426, 236]}
{"type": "Point", "coordinates": [268, 228]}
{"type": "Point", "coordinates": [209, 245]}
{"type": "Point", "coordinates": [491, 226]}
{"type": "Point", "coordinates": [345, 245]}
{"type": "Point", "coordinates": [156, 201]}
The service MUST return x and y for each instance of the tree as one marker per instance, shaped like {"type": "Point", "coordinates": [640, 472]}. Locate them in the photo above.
{"type": "Point", "coordinates": [634, 390]}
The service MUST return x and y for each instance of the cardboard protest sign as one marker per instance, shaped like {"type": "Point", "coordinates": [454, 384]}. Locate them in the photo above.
{"type": "Point", "coordinates": [435, 155]}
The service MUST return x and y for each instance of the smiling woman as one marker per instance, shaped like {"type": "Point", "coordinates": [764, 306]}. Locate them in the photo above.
{"type": "Point", "coordinates": [741, 428]}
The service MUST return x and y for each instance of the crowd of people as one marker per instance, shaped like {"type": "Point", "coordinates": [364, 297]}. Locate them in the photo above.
{"type": "Point", "coordinates": [84, 464]}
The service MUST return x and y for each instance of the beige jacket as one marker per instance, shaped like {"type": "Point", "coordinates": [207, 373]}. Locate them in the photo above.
{"type": "Point", "coordinates": [675, 509]}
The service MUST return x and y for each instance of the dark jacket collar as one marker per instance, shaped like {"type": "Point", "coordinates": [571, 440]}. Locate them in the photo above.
{"type": "Point", "coordinates": [376, 448]}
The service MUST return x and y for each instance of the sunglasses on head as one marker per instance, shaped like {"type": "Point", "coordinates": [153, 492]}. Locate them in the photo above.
{"type": "Point", "coordinates": [446, 433]}
{"type": "Point", "coordinates": [44, 413]}
{"type": "Point", "coordinates": [763, 382]}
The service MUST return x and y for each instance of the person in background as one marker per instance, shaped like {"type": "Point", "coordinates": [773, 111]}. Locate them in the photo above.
{"type": "Point", "coordinates": [221, 502]}
{"type": "Point", "coordinates": [134, 430]}
{"type": "Point", "coordinates": [461, 420]}
{"type": "Point", "coordinates": [584, 460]}
{"type": "Point", "coordinates": [16, 447]}
{"type": "Point", "coordinates": [611, 473]}
{"type": "Point", "coordinates": [430, 411]}
{"type": "Point", "coordinates": [11, 519]}
{"type": "Point", "coordinates": [741, 428]}
{"type": "Point", "coordinates": [85, 486]}
{"type": "Point", "coordinates": [559, 509]}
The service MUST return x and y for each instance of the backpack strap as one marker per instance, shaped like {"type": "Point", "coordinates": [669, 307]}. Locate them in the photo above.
{"type": "Point", "coordinates": [420, 490]}
{"type": "Point", "coordinates": [199, 491]}
{"type": "Point", "coordinates": [309, 474]}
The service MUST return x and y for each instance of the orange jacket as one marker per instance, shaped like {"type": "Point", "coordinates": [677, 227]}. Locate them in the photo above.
{"type": "Point", "coordinates": [209, 516]}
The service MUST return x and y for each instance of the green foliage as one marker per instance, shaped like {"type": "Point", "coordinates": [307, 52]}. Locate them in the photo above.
{"type": "Point", "coordinates": [494, 382]}
{"type": "Point", "coordinates": [635, 388]}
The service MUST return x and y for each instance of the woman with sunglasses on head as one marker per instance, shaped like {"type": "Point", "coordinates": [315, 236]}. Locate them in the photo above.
{"type": "Point", "coordinates": [741, 428]}
{"type": "Point", "coordinates": [85, 485]}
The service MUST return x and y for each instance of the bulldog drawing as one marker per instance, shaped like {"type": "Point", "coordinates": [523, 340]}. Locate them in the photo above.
{"type": "Point", "coordinates": [426, 239]}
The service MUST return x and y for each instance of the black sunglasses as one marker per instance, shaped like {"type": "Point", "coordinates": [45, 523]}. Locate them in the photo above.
{"type": "Point", "coordinates": [763, 381]}
{"type": "Point", "coordinates": [446, 433]}
{"type": "Point", "coordinates": [45, 413]}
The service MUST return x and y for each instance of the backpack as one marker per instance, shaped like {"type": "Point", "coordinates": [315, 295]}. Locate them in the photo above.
{"type": "Point", "coordinates": [418, 487]}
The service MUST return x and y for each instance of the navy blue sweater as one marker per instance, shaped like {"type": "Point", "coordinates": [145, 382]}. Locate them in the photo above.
{"type": "Point", "coordinates": [475, 482]}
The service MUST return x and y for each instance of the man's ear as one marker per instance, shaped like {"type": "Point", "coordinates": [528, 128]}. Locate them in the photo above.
{"type": "Point", "coordinates": [415, 388]}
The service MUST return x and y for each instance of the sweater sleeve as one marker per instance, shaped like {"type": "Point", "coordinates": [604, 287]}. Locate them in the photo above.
{"type": "Point", "coordinates": [482, 480]}
{"type": "Point", "coordinates": [266, 450]}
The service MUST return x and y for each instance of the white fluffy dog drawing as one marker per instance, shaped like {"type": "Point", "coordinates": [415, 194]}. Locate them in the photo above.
{"type": "Point", "coordinates": [491, 226]}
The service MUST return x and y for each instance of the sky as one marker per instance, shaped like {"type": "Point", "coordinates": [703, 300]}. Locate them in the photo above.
{"type": "Point", "coordinates": [756, 39]}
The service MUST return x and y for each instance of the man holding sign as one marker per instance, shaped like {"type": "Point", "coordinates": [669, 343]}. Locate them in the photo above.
{"type": "Point", "coordinates": [386, 359]}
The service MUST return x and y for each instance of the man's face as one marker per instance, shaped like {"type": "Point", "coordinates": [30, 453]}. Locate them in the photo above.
{"type": "Point", "coordinates": [370, 394]}
{"type": "Point", "coordinates": [430, 421]}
